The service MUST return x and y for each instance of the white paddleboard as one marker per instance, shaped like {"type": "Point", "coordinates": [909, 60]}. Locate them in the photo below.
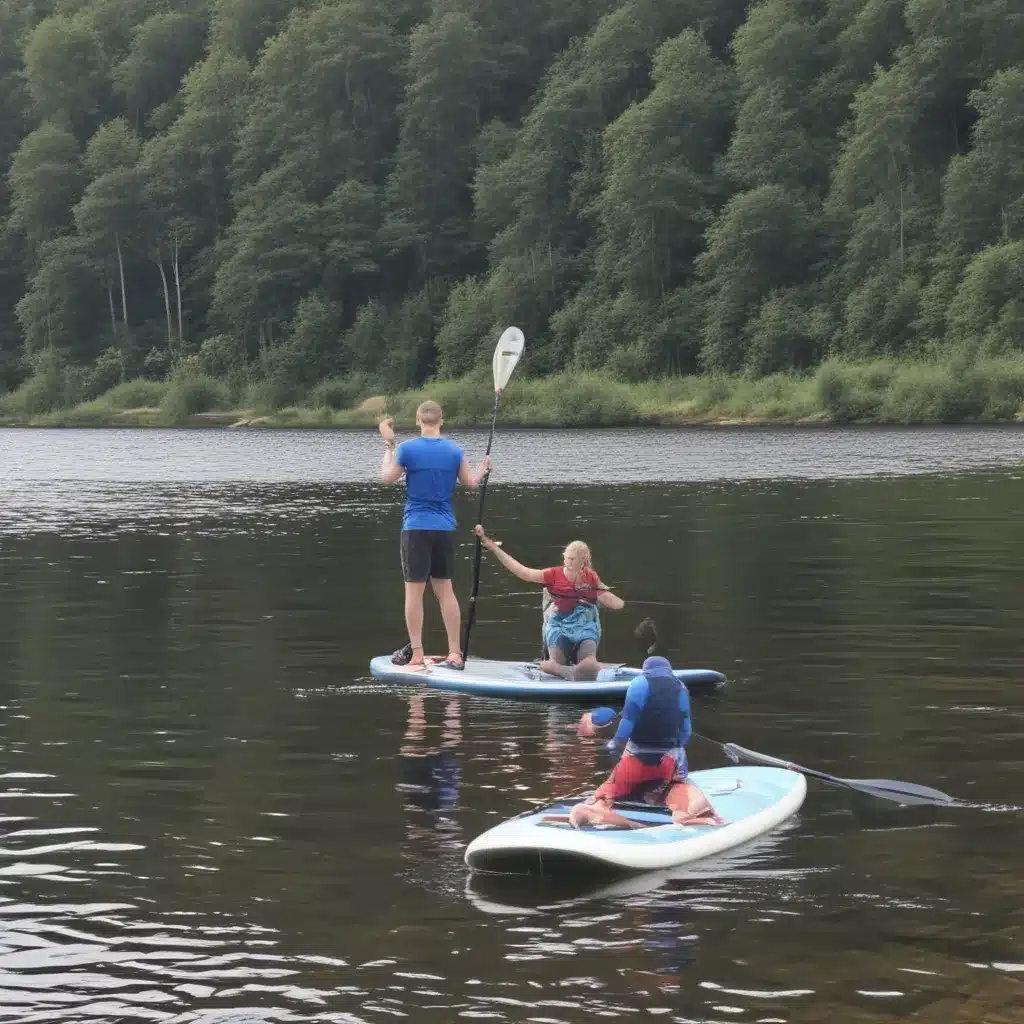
{"type": "Point", "coordinates": [752, 800]}
{"type": "Point", "coordinates": [523, 679]}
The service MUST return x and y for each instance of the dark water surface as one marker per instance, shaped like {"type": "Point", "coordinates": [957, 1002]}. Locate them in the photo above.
{"type": "Point", "coordinates": [210, 814]}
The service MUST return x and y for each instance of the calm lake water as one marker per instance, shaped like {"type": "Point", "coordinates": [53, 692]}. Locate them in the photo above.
{"type": "Point", "coordinates": [210, 813]}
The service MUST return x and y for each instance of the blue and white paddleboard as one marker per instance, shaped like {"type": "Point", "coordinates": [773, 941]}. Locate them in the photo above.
{"type": "Point", "coordinates": [523, 679]}
{"type": "Point", "coordinates": [752, 801]}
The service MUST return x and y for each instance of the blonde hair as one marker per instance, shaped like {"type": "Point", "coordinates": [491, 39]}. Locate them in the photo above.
{"type": "Point", "coordinates": [429, 413]}
{"type": "Point", "coordinates": [579, 547]}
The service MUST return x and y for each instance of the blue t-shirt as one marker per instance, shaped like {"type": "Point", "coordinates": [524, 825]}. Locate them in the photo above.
{"type": "Point", "coordinates": [431, 471]}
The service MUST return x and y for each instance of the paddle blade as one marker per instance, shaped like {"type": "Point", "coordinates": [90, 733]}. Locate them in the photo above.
{"type": "Point", "coordinates": [506, 355]}
{"type": "Point", "coordinates": [902, 792]}
{"type": "Point", "coordinates": [647, 632]}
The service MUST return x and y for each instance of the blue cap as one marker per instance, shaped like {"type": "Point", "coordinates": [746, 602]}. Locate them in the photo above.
{"type": "Point", "coordinates": [602, 716]}
{"type": "Point", "coordinates": [657, 666]}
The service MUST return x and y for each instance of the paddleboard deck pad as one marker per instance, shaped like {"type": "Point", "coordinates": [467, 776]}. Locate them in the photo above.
{"type": "Point", "coordinates": [751, 800]}
{"type": "Point", "coordinates": [523, 679]}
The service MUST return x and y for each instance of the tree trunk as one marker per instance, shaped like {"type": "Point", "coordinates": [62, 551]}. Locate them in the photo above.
{"type": "Point", "coordinates": [176, 251]}
{"type": "Point", "coordinates": [120, 267]}
{"type": "Point", "coordinates": [167, 307]}
{"type": "Point", "coordinates": [901, 226]}
{"type": "Point", "coordinates": [110, 302]}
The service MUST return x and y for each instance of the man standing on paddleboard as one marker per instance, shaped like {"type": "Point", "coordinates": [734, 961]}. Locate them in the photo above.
{"type": "Point", "coordinates": [652, 734]}
{"type": "Point", "coordinates": [432, 465]}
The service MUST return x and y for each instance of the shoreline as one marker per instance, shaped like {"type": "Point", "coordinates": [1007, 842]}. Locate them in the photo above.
{"type": "Point", "coordinates": [885, 391]}
{"type": "Point", "coordinates": [308, 419]}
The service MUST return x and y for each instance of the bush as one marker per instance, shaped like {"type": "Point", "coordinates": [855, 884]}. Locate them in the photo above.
{"type": "Point", "coordinates": [342, 392]}
{"type": "Point", "coordinates": [52, 384]}
{"type": "Point", "coordinates": [106, 371]}
{"type": "Point", "coordinates": [573, 400]}
{"type": "Point", "coordinates": [852, 391]}
{"type": "Point", "coordinates": [136, 394]}
{"type": "Point", "coordinates": [931, 394]}
{"type": "Point", "coordinates": [187, 396]}
{"type": "Point", "coordinates": [270, 394]}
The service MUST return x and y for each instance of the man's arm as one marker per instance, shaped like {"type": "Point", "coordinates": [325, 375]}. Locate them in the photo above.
{"type": "Point", "coordinates": [390, 471]}
{"type": "Point", "coordinates": [466, 475]}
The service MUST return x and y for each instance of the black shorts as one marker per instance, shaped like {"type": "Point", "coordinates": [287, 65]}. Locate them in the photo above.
{"type": "Point", "coordinates": [427, 554]}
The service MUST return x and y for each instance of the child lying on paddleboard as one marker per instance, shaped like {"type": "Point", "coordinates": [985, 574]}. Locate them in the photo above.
{"type": "Point", "coordinates": [652, 734]}
{"type": "Point", "coordinates": [572, 630]}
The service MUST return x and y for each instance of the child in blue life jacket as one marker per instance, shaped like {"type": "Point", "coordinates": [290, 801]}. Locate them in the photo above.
{"type": "Point", "coordinates": [652, 733]}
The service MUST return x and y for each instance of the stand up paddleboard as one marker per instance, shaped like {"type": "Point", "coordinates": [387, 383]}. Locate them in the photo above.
{"type": "Point", "coordinates": [752, 801]}
{"type": "Point", "coordinates": [523, 679]}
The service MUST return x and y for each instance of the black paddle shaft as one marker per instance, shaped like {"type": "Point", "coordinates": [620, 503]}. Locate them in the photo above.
{"type": "Point", "coordinates": [471, 613]}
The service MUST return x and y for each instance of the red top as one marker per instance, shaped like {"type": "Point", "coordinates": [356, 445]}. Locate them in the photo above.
{"type": "Point", "coordinates": [566, 594]}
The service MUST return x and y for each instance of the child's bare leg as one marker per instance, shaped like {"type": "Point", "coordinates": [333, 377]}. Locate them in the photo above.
{"type": "Point", "coordinates": [557, 663]}
{"type": "Point", "coordinates": [587, 665]}
{"type": "Point", "coordinates": [689, 806]}
{"type": "Point", "coordinates": [597, 813]}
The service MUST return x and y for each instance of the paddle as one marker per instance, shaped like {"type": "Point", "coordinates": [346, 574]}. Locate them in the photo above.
{"type": "Point", "coordinates": [506, 355]}
{"type": "Point", "coordinates": [884, 789]}
{"type": "Point", "coordinates": [906, 793]}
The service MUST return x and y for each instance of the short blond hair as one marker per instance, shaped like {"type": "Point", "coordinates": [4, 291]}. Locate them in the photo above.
{"type": "Point", "coordinates": [429, 413]}
{"type": "Point", "coordinates": [579, 547]}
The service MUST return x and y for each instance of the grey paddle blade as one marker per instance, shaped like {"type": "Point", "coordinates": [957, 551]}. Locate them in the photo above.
{"type": "Point", "coordinates": [902, 792]}
{"type": "Point", "coordinates": [906, 793]}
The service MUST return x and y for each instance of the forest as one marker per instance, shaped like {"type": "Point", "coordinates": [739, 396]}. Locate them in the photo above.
{"type": "Point", "coordinates": [265, 204]}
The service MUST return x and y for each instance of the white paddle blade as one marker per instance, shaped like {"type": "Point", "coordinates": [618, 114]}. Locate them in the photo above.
{"type": "Point", "coordinates": [506, 355]}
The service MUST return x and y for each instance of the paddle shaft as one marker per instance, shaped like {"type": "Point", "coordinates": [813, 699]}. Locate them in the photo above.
{"type": "Point", "coordinates": [471, 612]}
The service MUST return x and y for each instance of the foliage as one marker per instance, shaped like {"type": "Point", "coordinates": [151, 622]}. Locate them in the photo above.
{"type": "Point", "coordinates": [187, 395]}
{"type": "Point", "coordinates": [301, 202]}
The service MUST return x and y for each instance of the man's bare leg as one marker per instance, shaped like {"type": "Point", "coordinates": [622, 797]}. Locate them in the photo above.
{"type": "Point", "coordinates": [451, 614]}
{"type": "Point", "coordinates": [414, 619]}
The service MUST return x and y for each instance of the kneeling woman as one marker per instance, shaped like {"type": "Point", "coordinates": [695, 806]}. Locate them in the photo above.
{"type": "Point", "coordinates": [572, 631]}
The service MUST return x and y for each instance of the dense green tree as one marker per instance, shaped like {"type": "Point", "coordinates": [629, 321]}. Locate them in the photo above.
{"type": "Point", "coordinates": [65, 68]}
{"type": "Point", "coordinates": [277, 192]}
{"type": "Point", "coordinates": [430, 205]}
{"type": "Point", "coordinates": [109, 215]}
{"type": "Point", "coordinates": [162, 50]}
{"type": "Point", "coordinates": [44, 180]}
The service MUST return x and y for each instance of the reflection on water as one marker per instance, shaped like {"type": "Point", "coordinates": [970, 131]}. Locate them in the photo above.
{"type": "Point", "coordinates": [209, 813]}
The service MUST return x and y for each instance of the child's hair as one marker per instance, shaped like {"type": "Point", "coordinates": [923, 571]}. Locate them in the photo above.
{"type": "Point", "coordinates": [579, 547]}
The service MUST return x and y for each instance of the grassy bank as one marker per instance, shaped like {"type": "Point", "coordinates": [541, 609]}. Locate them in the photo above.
{"type": "Point", "coordinates": [955, 389]}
